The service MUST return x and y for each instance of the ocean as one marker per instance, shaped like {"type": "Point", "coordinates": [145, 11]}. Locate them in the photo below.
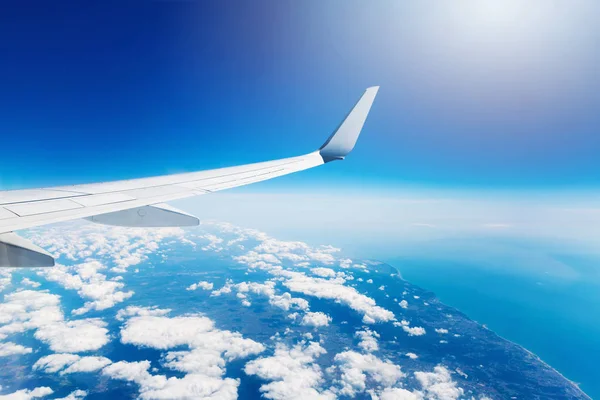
{"type": "Point", "coordinates": [554, 317]}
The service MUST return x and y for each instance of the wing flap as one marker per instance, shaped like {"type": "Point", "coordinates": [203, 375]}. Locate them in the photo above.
{"type": "Point", "coordinates": [158, 215]}
{"type": "Point", "coordinates": [16, 251]}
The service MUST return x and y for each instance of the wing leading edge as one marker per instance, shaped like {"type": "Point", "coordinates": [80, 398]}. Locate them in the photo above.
{"type": "Point", "coordinates": [139, 202]}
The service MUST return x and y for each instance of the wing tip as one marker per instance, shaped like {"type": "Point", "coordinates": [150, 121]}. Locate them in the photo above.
{"type": "Point", "coordinates": [343, 139]}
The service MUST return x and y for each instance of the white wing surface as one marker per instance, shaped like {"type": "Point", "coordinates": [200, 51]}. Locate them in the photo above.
{"type": "Point", "coordinates": [140, 202]}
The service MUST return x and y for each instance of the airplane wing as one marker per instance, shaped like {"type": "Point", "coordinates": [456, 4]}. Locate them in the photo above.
{"type": "Point", "coordinates": [141, 202]}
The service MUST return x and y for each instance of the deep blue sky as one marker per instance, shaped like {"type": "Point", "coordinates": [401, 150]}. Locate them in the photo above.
{"type": "Point", "coordinates": [470, 97]}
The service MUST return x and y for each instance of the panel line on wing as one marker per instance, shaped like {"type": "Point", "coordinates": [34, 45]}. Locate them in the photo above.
{"type": "Point", "coordinates": [42, 207]}
{"type": "Point", "coordinates": [99, 199]}
{"type": "Point", "coordinates": [6, 213]}
{"type": "Point", "coordinates": [50, 197]}
{"type": "Point", "coordinates": [236, 173]}
{"type": "Point", "coordinates": [244, 179]}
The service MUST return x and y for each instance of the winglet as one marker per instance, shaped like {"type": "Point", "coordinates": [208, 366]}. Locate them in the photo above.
{"type": "Point", "coordinates": [342, 141]}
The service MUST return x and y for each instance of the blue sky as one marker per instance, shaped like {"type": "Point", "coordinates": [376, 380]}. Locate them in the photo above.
{"type": "Point", "coordinates": [475, 95]}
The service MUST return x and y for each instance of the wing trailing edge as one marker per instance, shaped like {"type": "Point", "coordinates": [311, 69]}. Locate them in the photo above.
{"type": "Point", "coordinates": [155, 216]}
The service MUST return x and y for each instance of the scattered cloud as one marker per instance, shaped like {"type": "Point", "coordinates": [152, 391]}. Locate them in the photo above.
{"type": "Point", "coordinates": [74, 336]}
{"type": "Point", "coordinates": [123, 247]}
{"type": "Point", "coordinates": [334, 289]}
{"type": "Point", "coordinates": [204, 361]}
{"type": "Point", "coordinates": [89, 283]}
{"type": "Point", "coordinates": [55, 362]}
{"type": "Point", "coordinates": [356, 368]}
{"type": "Point", "coordinates": [87, 364]}
{"type": "Point", "coordinates": [438, 385]}
{"type": "Point", "coordinates": [200, 285]}
{"type": "Point", "coordinates": [368, 340]}
{"type": "Point", "coordinates": [214, 242]}
{"type": "Point", "coordinates": [197, 332]}
{"type": "Point", "coordinates": [323, 272]}
{"type": "Point", "coordinates": [70, 363]}
{"type": "Point", "coordinates": [269, 255]}
{"type": "Point", "coordinates": [40, 311]}
{"type": "Point", "coordinates": [271, 252]}
{"type": "Point", "coordinates": [29, 282]}
{"type": "Point", "coordinates": [27, 394]}
{"type": "Point", "coordinates": [397, 394]}
{"type": "Point", "coordinates": [414, 331]}
{"type": "Point", "coordinates": [315, 319]}
{"type": "Point", "coordinates": [5, 277]}
{"type": "Point", "coordinates": [284, 301]}
{"type": "Point", "coordinates": [75, 395]}
{"type": "Point", "coordinates": [133, 311]}
{"type": "Point", "coordinates": [191, 386]}
{"type": "Point", "coordinates": [12, 349]}
{"type": "Point", "coordinates": [292, 372]}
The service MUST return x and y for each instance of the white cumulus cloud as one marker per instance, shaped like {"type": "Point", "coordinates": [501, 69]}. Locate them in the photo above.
{"type": "Point", "coordinates": [334, 289]}
{"type": "Point", "coordinates": [75, 395]}
{"type": "Point", "coordinates": [414, 331]}
{"type": "Point", "coordinates": [201, 285]}
{"type": "Point", "coordinates": [27, 394]}
{"type": "Point", "coordinates": [91, 285]}
{"type": "Point", "coordinates": [323, 272]}
{"type": "Point", "coordinates": [292, 373]}
{"type": "Point", "coordinates": [70, 363]}
{"type": "Point", "coordinates": [29, 282]}
{"type": "Point", "coordinates": [315, 319]}
{"type": "Point", "coordinates": [368, 340]}
{"type": "Point", "coordinates": [40, 311]}
{"type": "Point", "coordinates": [208, 351]}
{"type": "Point", "coordinates": [438, 385]}
{"type": "Point", "coordinates": [356, 368]}
{"type": "Point", "coordinates": [191, 386]}
{"type": "Point", "coordinates": [132, 311]}
{"type": "Point", "coordinates": [12, 349]}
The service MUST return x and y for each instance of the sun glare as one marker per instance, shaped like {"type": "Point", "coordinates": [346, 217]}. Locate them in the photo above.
{"type": "Point", "coordinates": [541, 48]}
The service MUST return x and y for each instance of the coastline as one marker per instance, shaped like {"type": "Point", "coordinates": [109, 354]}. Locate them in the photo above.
{"type": "Point", "coordinates": [374, 262]}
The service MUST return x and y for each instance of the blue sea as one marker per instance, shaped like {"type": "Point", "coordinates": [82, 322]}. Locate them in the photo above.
{"type": "Point", "coordinates": [555, 315]}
